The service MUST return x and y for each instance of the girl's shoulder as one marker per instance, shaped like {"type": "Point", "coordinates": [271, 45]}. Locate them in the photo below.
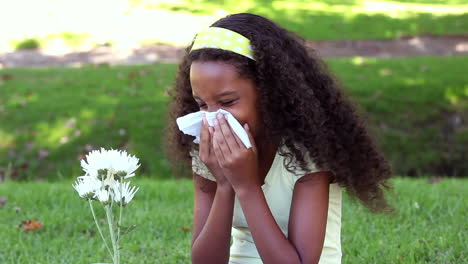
{"type": "Point", "coordinates": [292, 167]}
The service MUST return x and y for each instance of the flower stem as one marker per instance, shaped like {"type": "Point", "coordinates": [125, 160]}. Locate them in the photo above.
{"type": "Point", "coordinates": [99, 229]}
{"type": "Point", "coordinates": [111, 229]}
{"type": "Point", "coordinates": [120, 217]}
{"type": "Point", "coordinates": [120, 214]}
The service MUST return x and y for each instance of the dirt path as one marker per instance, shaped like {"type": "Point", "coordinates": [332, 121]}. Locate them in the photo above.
{"type": "Point", "coordinates": [426, 45]}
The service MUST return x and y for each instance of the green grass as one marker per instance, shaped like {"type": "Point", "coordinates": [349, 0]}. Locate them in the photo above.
{"type": "Point", "coordinates": [312, 19]}
{"type": "Point", "coordinates": [428, 227]}
{"type": "Point", "coordinates": [341, 19]}
{"type": "Point", "coordinates": [50, 118]}
{"type": "Point", "coordinates": [64, 110]}
{"type": "Point", "coordinates": [415, 108]}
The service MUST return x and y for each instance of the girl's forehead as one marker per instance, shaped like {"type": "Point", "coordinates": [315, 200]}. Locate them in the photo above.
{"type": "Point", "coordinates": [216, 79]}
{"type": "Point", "coordinates": [212, 69]}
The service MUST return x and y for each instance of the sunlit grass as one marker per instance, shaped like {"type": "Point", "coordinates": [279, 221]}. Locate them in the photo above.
{"type": "Point", "coordinates": [374, 7]}
{"type": "Point", "coordinates": [176, 22]}
{"type": "Point", "coordinates": [428, 226]}
{"type": "Point", "coordinates": [51, 117]}
{"type": "Point", "coordinates": [341, 19]}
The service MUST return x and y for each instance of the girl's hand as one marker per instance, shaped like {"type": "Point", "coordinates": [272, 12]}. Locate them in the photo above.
{"type": "Point", "coordinates": [238, 163]}
{"type": "Point", "coordinates": [207, 155]}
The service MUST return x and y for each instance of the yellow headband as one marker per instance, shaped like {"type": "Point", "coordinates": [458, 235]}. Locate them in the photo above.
{"type": "Point", "coordinates": [221, 38]}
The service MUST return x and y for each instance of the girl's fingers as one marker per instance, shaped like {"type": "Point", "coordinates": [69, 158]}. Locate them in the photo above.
{"type": "Point", "coordinates": [239, 142]}
{"type": "Point", "coordinates": [211, 131]}
{"type": "Point", "coordinates": [216, 146]}
{"type": "Point", "coordinates": [205, 138]}
{"type": "Point", "coordinates": [218, 137]}
{"type": "Point", "coordinates": [252, 141]}
{"type": "Point", "coordinates": [228, 134]}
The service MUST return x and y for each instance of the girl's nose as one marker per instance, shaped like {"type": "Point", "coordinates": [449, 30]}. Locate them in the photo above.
{"type": "Point", "coordinates": [213, 108]}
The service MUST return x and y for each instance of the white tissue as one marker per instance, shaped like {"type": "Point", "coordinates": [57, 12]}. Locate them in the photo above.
{"type": "Point", "coordinates": [191, 125]}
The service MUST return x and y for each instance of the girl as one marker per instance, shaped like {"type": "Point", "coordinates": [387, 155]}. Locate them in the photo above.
{"type": "Point", "coordinates": [280, 200]}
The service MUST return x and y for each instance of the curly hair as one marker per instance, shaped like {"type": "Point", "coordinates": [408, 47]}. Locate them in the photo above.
{"type": "Point", "coordinates": [302, 105]}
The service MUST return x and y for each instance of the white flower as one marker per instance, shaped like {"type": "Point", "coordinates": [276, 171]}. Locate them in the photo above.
{"type": "Point", "coordinates": [112, 160]}
{"type": "Point", "coordinates": [87, 186]}
{"type": "Point", "coordinates": [111, 182]}
{"type": "Point", "coordinates": [103, 196]}
{"type": "Point", "coordinates": [127, 193]}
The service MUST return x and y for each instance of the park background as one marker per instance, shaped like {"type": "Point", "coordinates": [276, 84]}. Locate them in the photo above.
{"type": "Point", "coordinates": [80, 75]}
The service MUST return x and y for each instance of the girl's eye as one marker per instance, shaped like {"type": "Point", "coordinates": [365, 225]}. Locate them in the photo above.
{"type": "Point", "coordinates": [228, 102]}
{"type": "Point", "coordinates": [225, 103]}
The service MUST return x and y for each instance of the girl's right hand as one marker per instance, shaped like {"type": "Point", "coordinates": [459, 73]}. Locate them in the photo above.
{"type": "Point", "coordinates": [207, 155]}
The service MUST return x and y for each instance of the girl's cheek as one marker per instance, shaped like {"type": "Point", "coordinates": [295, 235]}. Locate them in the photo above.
{"type": "Point", "coordinates": [240, 114]}
{"type": "Point", "coordinates": [235, 112]}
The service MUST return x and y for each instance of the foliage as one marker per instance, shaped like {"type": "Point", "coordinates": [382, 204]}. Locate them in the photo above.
{"type": "Point", "coordinates": [27, 44]}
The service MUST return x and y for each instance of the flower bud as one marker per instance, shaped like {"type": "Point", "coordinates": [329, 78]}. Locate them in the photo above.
{"type": "Point", "coordinates": [102, 174]}
{"type": "Point", "coordinates": [120, 175]}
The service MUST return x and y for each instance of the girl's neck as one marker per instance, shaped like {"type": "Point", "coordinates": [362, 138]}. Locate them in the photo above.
{"type": "Point", "coordinates": [266, 151]}
{"type": "Point", "coordinates": [265, 148]}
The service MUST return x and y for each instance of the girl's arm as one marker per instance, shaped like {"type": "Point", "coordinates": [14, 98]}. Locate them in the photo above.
{"type": "Point", "coordinates": [307, 221]}
{"type": "Point", "coordinates": [308, 215]}
{"type": "Point", "coordinates": [309, 208]}
{"type": "Point", "coordinates": [212, 221]}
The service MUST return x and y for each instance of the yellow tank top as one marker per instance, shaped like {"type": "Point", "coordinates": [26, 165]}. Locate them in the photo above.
{"type": "Point", "coordinates": [278, 190]}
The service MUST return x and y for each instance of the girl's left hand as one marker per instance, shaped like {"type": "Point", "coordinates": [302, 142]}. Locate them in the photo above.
{"type": "Point", "coordinates": [239, 164]}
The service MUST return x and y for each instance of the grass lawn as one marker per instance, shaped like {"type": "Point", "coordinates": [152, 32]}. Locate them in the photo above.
{"type": "Point", "coordinates": [341, 19]}
{"type": "Point", "coordinates": [312, 19]}
{"type": "Point", "coordinates": [427, 229]}
{"type": "Point", "coordinates": [50, 118]}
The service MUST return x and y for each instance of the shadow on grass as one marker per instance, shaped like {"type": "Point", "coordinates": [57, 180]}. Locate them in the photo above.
{"type": "Point", "coordinates": [57, 116]}
{"type": "Point", "coordinates": [416, 109]}
{"type": "Point", "coordinates": [339, 23]}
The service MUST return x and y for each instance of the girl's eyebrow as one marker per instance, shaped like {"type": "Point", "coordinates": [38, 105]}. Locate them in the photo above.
{"type": "Point", "coordinates": [227, 93]}
{"type": "Point", "coordinates": [219, 95]}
